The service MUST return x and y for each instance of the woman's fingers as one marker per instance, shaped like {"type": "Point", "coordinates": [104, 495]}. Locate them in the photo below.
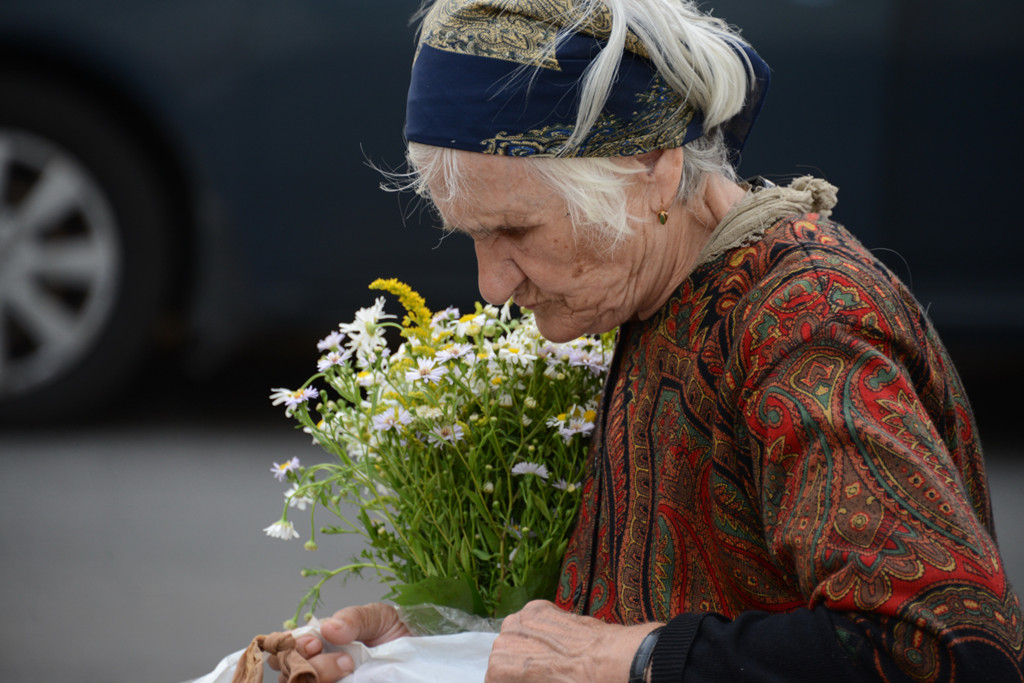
{"type": "Point", "coordinates": [369, 624]}
{"type": "Point", "coordinates": [543, 641]}
{"type": "Point", "coordinates": [308, 646]}
{"type": "Point", "coordinates": [332, 666]}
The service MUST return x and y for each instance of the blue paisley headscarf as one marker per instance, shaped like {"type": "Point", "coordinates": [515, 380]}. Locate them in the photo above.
{"type": "Point", "coordinates": [485, 80]}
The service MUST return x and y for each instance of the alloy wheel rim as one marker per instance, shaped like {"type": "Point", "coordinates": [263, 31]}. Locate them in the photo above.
{"type": "Point", "coordinates": [60, 261]}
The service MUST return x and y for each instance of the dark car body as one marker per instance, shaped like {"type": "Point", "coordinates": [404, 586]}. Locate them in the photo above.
{"type": "Point", "coordinates": [256, 125]}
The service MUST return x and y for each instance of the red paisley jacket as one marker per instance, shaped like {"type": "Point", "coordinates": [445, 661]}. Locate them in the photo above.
{"type": "Point", "coordinates": [787, 471]}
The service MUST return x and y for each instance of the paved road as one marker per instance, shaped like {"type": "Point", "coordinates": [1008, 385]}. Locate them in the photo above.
{"type": "Point", "coordinates": [133, 551]}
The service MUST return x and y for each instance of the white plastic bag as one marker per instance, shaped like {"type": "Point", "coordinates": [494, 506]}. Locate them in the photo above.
{"type": "Point", "coordinates": [458, 658]}
{"type": "Point", "coordinates": [453, 658]}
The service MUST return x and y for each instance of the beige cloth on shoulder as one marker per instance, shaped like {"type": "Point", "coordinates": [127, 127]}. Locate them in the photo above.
{"type": "Point", "coordinates": [762, 207]}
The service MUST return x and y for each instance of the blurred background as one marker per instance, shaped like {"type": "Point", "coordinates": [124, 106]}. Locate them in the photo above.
{"type": "Point", "coordinates": [189, 200]}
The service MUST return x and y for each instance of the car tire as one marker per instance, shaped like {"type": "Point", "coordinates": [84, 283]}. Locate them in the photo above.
{"type": "Point", "coordinates": [84, 230]}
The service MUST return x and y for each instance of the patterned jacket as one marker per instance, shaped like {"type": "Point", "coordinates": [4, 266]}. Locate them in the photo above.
{"type": "Point", "coordinates": [787, 471]}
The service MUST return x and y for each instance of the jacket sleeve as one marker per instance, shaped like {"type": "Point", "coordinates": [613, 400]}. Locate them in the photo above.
{"type": "Point", "coordinates": [851, 439]}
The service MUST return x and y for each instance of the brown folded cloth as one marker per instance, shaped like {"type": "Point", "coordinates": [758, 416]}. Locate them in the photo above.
{"type": "Point", "coordinates": [294, 666]}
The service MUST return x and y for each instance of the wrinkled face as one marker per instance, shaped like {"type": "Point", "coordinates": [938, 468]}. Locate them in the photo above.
{"type": "Point", "coordinates": [526, 251]}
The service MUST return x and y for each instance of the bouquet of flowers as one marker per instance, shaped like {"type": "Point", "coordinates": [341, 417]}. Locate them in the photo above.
{"type": "Point", "coordinates": [462, 450]}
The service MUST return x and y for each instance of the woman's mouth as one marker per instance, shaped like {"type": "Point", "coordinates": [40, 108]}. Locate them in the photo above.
{"type": "Point", "coordinates": [523, 303]}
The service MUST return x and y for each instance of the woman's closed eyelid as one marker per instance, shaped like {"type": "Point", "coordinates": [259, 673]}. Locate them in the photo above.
{"type": "Point", "coordinates": [473, 234]}
{"type": "Point", "coordinates": [481, 233]}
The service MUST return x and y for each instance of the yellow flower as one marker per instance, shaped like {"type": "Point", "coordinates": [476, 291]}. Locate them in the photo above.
{"type": "Point", "coordinates": [417, 320]}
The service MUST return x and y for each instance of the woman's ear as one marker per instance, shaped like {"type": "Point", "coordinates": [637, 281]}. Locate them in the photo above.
{"type": "Point", "coordinates": [662, 173]}
{"type": "Point", "coordinates": [666, 169]}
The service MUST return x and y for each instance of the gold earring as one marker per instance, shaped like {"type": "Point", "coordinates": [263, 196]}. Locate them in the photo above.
{"type": "Point", "coordinates": [663, 216]}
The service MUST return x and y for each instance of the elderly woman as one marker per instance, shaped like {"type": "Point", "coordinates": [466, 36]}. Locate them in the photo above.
{"type": "Point", "coordinates": [786, 483]}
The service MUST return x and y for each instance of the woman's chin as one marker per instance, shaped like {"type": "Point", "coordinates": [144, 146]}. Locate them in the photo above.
{"type": "Point", "coordinates": [557, 329]}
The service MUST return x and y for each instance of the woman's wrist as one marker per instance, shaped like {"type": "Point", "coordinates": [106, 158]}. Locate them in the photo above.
{"type": "Point", "coordinates": [640, 669]}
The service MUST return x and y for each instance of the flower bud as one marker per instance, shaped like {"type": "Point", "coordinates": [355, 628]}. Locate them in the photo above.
{"type": "Point", "coordinates": [310, 545]}
{"type": "Point", "coordinates": [289, 625]}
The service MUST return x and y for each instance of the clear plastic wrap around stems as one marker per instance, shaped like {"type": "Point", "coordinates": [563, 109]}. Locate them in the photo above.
{"type": "Point", "coordinates": [437, 620]}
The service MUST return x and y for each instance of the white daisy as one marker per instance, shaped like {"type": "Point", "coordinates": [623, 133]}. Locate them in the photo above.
{"type": "Point", "coordinates": [333, 358]}
{"type": "Point", "coordinates": [445, 433]}
{"type": "Point", "coordinates": [563, 485]}
{"type": "Point", "coordinates": [441, 317]}
{"type": "Point", "coordinates": [453, 351]}
{"type": "Point", "coordinates": [470, 325]}
{"type": "Point", "coordinates": [365, 333]}
{"type": "Point", "coordinates": [557, 421]}
{"type": "Point", "coordinates": [291, 398]}
{"type": "Point", "coordinates": [331, 341]}
{"type": "Point", "coordinates": [592, 360]}
{"type": "Point", "coordinates": [295, 501]}
{"type": "Point", "coordinates": [392, 418]}
{"type": "Point", "coordinates": [429, 412]}
{"type": "Point", "coordinates": [281, 470]}
{"type": "Point", "coordinates": [369, 358]}
{"type": "Point", "coordinates": [366, 378]}
{"type": "Point", "coordinates": [427, 370]}
{"type": "Point", "coordinates": [516, 354]}
{"type": "Point", "coordinates": [281, 529]}
{"type": "Point", "coordinates": [577, 425]}
{"type": "Point", "coordinates": [522, 468]}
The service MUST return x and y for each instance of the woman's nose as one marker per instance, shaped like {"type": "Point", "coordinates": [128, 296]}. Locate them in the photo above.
{"type": "Point", "coordinates": [498, 276]}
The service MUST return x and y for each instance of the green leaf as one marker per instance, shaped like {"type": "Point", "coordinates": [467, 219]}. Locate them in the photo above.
{"type": "Point", "coordinates": [541, 584]}
{"type": "Point", "coordinates": [464, 554]}
{"type": "Point", "coordinates": [493, 542]}
{"type": "Point", "coordinates": [513, 599]}
{"type": "Point", "coordinates": [479, 503]}
{"type": "Point", "coordinates": [436, 590]}
{"type": "Point", "coordinates": [538, 503]}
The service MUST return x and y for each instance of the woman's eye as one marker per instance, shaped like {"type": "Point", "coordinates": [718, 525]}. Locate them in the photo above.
{"type": "Point", "coordinates": [512, 231]}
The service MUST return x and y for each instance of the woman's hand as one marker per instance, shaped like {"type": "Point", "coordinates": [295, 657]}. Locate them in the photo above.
{"type": "Point", "coordinates": [543, 642]}
{"type": "Point", "coordinates": [369, 624]}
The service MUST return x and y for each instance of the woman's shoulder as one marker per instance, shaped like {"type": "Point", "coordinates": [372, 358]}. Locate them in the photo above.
{"type": "Point", "coordinates": [810, 245]}
{"type": "Point", "coordinates": [810, 268]}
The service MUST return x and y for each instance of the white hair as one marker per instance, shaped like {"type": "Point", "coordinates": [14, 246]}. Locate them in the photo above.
{"type": "Point", "coordinates": [594, 188]}
{"type": "Point", "coordinates": [693, 51]}
{"type": "Point", "coordinates": [697, 56]}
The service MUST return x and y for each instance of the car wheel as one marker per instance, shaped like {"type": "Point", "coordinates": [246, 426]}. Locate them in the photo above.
{"type": "Point", "coordinates": [82, 247]}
